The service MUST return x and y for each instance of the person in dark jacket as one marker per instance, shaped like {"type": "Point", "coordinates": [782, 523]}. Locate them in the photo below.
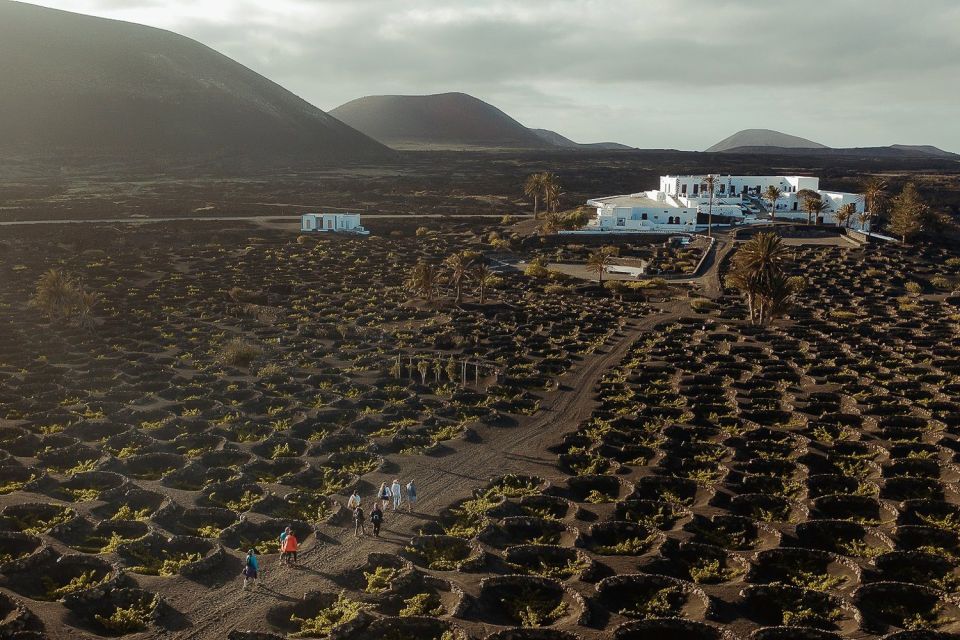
{"type": "Point", "coordinates": [376, 518]}
{"type": "Point", "coordinates": [359, 528]}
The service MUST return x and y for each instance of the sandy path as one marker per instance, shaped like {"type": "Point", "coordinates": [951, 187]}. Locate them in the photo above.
{"type": "Point", "coordinates": [442, 479]}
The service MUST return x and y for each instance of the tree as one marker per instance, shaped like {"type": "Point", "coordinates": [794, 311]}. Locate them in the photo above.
{"type": "Point", "coordinates": [757, 271]}
{"type": "Point", "coordinates": [423, 279]}
{"type": "Point", "coordinates": [909, 214]}
{"type": "Point", "coordinates": [485, 278]}
{"type": "Point", "coordinates": [845, 213]}
{"type": "Point", "coordinates": [710, 180]}
{"type": "Point", "coordinates": [60, 297]}
{"type": "Point", "coordinates": [423, 368]}
{"type": "Point", "coordinates": [599, 260]}
{"type": "Point", "coordinates": [875, 196]}
{"type": "Point", "coordinates": [458, 265]}
{"type": "Point", "coordinates": [814, 208]}
{"type": "Point", "coordinates": [777, 296]}
{"type": "Point", "coordinates": [533, 188]}
{"type": "Point", "coordinates": [806, 197]}
{"type": "Point", "coordinates": [552, 193]}
{"type": "Point", "coordinates": [772, 195]}
{"type": "Point", "coordinates": [543, 185]}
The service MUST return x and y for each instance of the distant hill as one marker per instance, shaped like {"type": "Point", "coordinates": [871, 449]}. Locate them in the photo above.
{"type": "Point", "coordinates": [924, 149]}
{"type": "Point", "coordinates": [558, 140]}
{"type": "Point", "coordinates": [864, 153]}
{"type": "Point", "coordinates": [448, 121]}
{"type": "Point", "coordinates": [74, 84]}
{"type": "Point", "coordinates": [754, 138]}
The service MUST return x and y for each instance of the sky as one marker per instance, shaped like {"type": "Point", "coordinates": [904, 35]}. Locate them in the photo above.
{"type": "Point", "coordinates": [679, 74]}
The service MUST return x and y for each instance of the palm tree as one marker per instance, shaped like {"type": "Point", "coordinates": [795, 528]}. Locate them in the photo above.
{"type": "Point", "coordinates": [814, 208]}
{"type": "Point", "coordinates": [599, 260]}
{"type": "Point", "coordinates": [875, 196]}
{"type": "Point", "coordinates": [755, 266]}
{"type": "Point", "coordinates": [423, 279]}
{"type": "Point", "coordinates": [805, 196]}
{"type": "Point", "coordinates": [552, 192]}
{"type": "Point", "coordinates": [845, 213]}
{"type": "Point", "coordinates": [777, 296]}
{"type": "Point", "coordinates": [533, 188]}
{"type": "Point", "coordinates": [772, 195]}
{"type": "Point", "coordinates": [864, 218]}
{"type": "Point", "coordinates": [485, 278]}
{"type": "Point", "coordinates": [710, 180]}
{"type": "Point", "coordinates": [458, 265]}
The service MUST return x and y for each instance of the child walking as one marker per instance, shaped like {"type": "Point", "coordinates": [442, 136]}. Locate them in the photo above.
{"type": "Point", "coordinates": [376, 518]}
{"type": "Point", "coordinates": [251, 568]}
{"type": "Point", "coordinates": [359, 528]}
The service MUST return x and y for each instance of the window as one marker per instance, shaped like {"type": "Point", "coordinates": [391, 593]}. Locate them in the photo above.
{"type": "Point", "coordinates": [683, 189]}
{"type": "Point", "coordinates": [643, 216]}
{"type": "Point", "coordinates": [621, 222]}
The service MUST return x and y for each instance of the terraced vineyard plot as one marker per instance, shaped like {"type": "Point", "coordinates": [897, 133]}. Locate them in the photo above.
{"type": "Point", "coordinates": [796, 481]}
{"type": "Point", "coordinates": [232, 385]}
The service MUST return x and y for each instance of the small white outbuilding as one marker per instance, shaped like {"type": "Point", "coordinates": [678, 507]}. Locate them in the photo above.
{"type": "Point", "coordinates": [332, 223]}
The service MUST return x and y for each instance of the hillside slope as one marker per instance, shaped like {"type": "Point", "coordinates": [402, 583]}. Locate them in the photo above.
{"type": "Point", "coordinates": [763, 138]}
{"type": "Point", "coordinates": [445, 120]}
{"type": "Point", "coordinates": [75, 84]}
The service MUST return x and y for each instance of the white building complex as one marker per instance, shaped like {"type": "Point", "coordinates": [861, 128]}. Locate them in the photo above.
{"type": "Point", "coordinates": [675, 205]}
{"type": "Point", "coordinates": [332, 223]}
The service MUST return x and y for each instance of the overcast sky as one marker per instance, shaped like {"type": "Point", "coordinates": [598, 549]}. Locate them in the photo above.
{"type": "Point", "coordinates": [650, 73]}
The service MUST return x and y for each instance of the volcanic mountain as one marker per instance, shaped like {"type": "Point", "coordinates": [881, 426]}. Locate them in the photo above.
{"type": "Point", "coordinates": [79, 85]}
{"type": "Point", "coordinates": [754, 138]}
{"type": "Point", "coordinates": [448, 121]}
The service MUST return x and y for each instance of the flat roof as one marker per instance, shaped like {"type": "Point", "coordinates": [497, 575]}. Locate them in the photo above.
{"type": "Point", "coordinates": [634, 200]}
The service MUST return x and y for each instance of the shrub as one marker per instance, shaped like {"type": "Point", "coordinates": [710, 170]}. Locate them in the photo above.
{"type": "Point", "coordinates": [380, 580]}
{"type": "Point", "coordinates": [422, 232]}
{"type": "Point", "coordinates": [914, 287]}
{"type": "Point", "coordinates": [238, 353]}
{"type": "Point", "coordinates": [533, 608]}
{"type": "Point", "coordinates": [422, 604]}
{"type": "Point", "coordinates": [340, 612]}
{"type": "Point", "coordinates": [130, 619]}
{"type": "Point", "coordinates": [60, 297]}
{"type": "Point", "coordinates": [537, 268]}
{"type": "Point", "coordinates": [85, 580]}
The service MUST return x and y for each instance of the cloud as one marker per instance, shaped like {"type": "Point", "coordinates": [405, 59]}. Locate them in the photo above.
{"type": "Point", "coordinates": [661, 73]}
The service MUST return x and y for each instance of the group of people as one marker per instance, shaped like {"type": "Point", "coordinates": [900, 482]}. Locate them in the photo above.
{"type": "Point", "coordinates": [394, 494]}
{"type": "Point", "coordinates": [288, 556]}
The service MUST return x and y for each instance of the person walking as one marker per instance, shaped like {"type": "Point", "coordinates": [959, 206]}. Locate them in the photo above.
{"type": "Point", "coordinates": [354, 500]}
{"type": "Point", "coordinates": [384, 495]}
{"type": "Point", "coordinates": [283, 536]}
{"type": "Point", "coordinates": [376, 519]}
{"type": "Point", "coordinates": [251, 569]}
{"type": "Point", "coordinates": [396, 493]}
{"type": "Point", "coordinates": [411, 496]}
{"type": "Point", "coordinates": [359, 528]}
{"type": "Point", "coordinates": [288, 548]}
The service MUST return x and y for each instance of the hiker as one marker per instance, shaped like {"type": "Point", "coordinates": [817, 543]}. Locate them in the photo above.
{"type": "Point", "coordinates": [384, 495]}
{"type": "Point", "coordinates": [396, 493]}
{"type": "Point", "coordinates": [288, 547]}
{"type": "Point", "coordinates": [283, 536]}
{"type": "Point", "coordinates": [251, 569]}
{"type": "Point", "coordinates": [354, 500]}
{"type": "Point", "coordinates": [376, 518]}
{"type": "Point", "coordinates": [359, 529]}
{"type": "Point", "coordinates": [411, 496]}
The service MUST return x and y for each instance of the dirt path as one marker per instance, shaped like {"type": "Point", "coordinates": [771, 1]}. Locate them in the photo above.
{"type": "Point", "coordinates": [441, 480]}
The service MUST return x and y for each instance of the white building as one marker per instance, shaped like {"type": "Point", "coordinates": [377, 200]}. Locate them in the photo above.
{"type": "Point", "coordinates": [675, 205]}
{"type": "Point", "coordinates": [332, 222]}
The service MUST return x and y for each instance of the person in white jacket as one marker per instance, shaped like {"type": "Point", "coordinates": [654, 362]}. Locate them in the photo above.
{"type": "Point", "coordinates": [395, 491]}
